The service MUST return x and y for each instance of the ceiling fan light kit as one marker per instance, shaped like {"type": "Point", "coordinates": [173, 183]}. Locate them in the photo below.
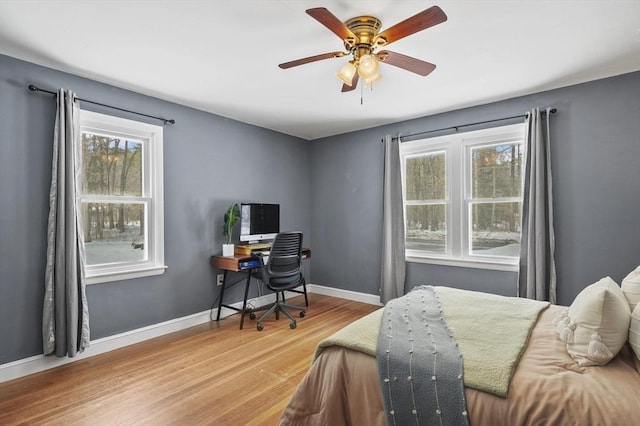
{"type": "Point", "coordinates": [368, 82]}
{"type": "Point", "coordinates": [368, 66]}
{"type": "Point", "coordinates": [347, 72]}
{"type": "Point", "coordinates": [361, 37]}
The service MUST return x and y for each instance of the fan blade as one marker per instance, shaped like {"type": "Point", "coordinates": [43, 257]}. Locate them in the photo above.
{"type": "Point", "coordinates": [314, 58]}
{"type": "Point", "coordinates": [330, 21]}
{"type": "Point", "coordinates": [405, 62]}
{"type": "Point", "coordinates": [354, 83]}
{"type": "Point", "coordinates": [421, 21]}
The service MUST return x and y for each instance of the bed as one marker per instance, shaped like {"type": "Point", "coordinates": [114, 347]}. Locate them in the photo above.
{"type": "Point", "coordinates": [545, 384]}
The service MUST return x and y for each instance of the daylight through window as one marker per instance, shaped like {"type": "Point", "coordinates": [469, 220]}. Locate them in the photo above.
{"type": "Point", "coordinates": [121, 197]}
{"type": "Point", "coordinates": [463, 197]}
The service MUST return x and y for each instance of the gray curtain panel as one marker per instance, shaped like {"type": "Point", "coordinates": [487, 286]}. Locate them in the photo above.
{"type": "Point", "coordinates": [393, 259]}
{"type": "Point", "coordinates": [65, 315]}
{"type": "Point", "coordinates": [537, 277]}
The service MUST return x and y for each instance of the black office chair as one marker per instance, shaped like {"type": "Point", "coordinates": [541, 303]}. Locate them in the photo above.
{"type": "Point", "coordinates": [282, 272]}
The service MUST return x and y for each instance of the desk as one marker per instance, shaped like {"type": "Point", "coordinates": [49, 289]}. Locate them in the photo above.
{"type": "Point", "coordinates": [240, 263]}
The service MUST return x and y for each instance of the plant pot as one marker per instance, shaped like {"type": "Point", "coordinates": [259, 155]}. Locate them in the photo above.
{"type": "Point", "coordinates": [227, 249]}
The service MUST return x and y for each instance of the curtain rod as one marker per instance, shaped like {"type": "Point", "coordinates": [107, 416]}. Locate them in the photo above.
{"type": "Point", "coordinates": [164, 120]}
{"type": "Point", "coordinates": [552, 111]}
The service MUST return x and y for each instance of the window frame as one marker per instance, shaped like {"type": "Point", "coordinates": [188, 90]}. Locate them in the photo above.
{"type": "Point", "coordinates": [458, 147]}
{"type": "Point", "coordinates": [152, 195]}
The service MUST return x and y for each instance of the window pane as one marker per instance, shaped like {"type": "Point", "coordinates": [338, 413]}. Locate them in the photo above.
{"type": "Point", "coordinates": [496, 171]}
{"type": "Point", "coordinates": [425, 177]}
{"type": "Point", "coordinates": [426, 228]}
{"type": "Point", "coordinates": [111, 165]}
{"type": "Point", "coordinates": [114, 232]}
{"type": "Point", "coordinates": [495, 229]}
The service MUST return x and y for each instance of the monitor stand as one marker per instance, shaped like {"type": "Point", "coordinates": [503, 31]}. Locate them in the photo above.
{"type": "Point", "coordinates": [249, 248]}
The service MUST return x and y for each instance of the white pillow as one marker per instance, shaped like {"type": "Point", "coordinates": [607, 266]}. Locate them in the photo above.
{"type": "Point", "coordinates": [596, 325]}
{"type": "Point", "coordinates": [631, 288]}
{"type": "Point", "coordinates": [634, 331]}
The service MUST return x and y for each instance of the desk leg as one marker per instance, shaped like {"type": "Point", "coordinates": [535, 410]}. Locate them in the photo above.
{"type": "Point", "coordinates": [244, 302]}
{"type": "Point", "coordinates": [224, 284]}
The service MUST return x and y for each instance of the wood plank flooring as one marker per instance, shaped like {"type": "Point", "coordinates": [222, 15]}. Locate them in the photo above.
{"type": "Point", "coordinates": [212, 374]}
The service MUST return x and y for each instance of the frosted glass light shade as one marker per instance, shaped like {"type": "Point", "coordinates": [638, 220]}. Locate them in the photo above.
{"type": "Point", "coordinates": [346, 73]}
{"type": "Point", "coordinates": [368, 66]}
{"type": "Point", "coordinates": [368, 82]}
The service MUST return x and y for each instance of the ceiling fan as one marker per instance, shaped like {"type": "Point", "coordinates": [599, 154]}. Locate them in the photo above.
{"type": "Point", "coordinates": [361, 38]}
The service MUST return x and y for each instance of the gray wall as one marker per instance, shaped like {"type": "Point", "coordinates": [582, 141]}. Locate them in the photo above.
{"type": "Point", "coordinates": [329, 188]}
{"type": "Point", "coordinates": [596, 161]}
{"type": "Point", "coordinates": [209, 162]}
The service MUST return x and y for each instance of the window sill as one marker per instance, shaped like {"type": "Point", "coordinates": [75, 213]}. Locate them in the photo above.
{"type": "Point", "coordinates": [466, 263]}
{"type": "Point", "coordinates": [109, 276]}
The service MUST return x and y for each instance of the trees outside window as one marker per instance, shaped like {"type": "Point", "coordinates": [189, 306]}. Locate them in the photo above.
{"type": "Point", "coordinates": [426, 202]}
{"type": "Point", "coordinates": [495, 199]}
{"type": "Point", "coordinates": [121, 197]}
{"type": "Point", "coordinates": [463, 197]}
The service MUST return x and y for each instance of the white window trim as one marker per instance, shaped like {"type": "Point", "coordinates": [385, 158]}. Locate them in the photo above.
{"type": "Point", "coordinates": [152, 135]}
{"type": "Point", "coordinates": [457, 170]}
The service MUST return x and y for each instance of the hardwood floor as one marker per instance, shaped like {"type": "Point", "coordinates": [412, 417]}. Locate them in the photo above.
{"type": "Point", "coordinates": [213, 374]}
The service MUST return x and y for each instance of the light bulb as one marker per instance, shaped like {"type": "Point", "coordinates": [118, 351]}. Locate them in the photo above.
{"type": "Point", "coordinates": [368, 66]}
{"type": "Point", "coordinates": [346, 73]}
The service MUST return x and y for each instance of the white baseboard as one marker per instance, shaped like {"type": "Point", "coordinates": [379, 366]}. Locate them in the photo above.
{"type": "Point", "coordinates": [371, 299]}
{"type": "Point", "coordinates": [23, 367]}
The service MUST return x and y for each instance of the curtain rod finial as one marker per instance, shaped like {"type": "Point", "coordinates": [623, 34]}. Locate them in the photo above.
{"type": "Point", "coordinates": [32, 88]}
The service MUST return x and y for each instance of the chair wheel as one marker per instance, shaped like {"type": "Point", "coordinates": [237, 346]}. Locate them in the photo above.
{"type": "Point", "coordinates": [302, 314]}
{"type": "Point", "coordinates": [293, 325]}
{"type": "Point", "coordinates": [260, 327]}
{"type": "Point", "coordinates": [252, 315]}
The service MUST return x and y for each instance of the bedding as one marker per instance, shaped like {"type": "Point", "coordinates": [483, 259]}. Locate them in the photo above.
{"type": "Point", "coordinates": [490, 330]}
{"type": "Point", "coordinates": [547, 387]}
{"type": "Point", "coordinates": [596, 325]}
{"type": "Point", "coordinates": [631, 288]}
{"type": "Point", "coordinates": [419, 363]}
{"type": "Point", "coordinates": [634, 333]}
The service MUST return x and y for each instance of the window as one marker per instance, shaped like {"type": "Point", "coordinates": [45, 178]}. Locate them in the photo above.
{"type": "Point", "coordinates": [121, 198]}
{"type": "Point", "coordinates": [463, 197]}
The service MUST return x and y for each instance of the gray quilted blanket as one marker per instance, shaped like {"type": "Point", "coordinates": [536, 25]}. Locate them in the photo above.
{"type": "Point", "coordinates": [421, 378]}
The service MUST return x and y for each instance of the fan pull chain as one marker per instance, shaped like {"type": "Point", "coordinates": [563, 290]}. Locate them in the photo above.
{"type": "Point", "coordinates": [362, 93]}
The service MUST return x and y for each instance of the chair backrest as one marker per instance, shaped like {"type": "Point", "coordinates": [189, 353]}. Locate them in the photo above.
{"type": "Point", "coordinates": [284, 267]}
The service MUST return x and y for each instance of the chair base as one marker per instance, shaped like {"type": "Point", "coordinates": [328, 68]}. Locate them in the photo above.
{"type": "Point", "coordinates": [276, 308]}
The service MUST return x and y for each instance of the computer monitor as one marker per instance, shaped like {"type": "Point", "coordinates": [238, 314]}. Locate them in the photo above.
{"type": "Point", "coordinates": [259, 222]}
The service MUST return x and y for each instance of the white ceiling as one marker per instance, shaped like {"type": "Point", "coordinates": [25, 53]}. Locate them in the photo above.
{"type": "Point", "coordinates": [221, 56]}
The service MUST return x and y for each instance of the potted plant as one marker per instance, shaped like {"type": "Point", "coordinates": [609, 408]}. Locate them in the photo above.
{"type": "Point", "coordinates": [231, 217]}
